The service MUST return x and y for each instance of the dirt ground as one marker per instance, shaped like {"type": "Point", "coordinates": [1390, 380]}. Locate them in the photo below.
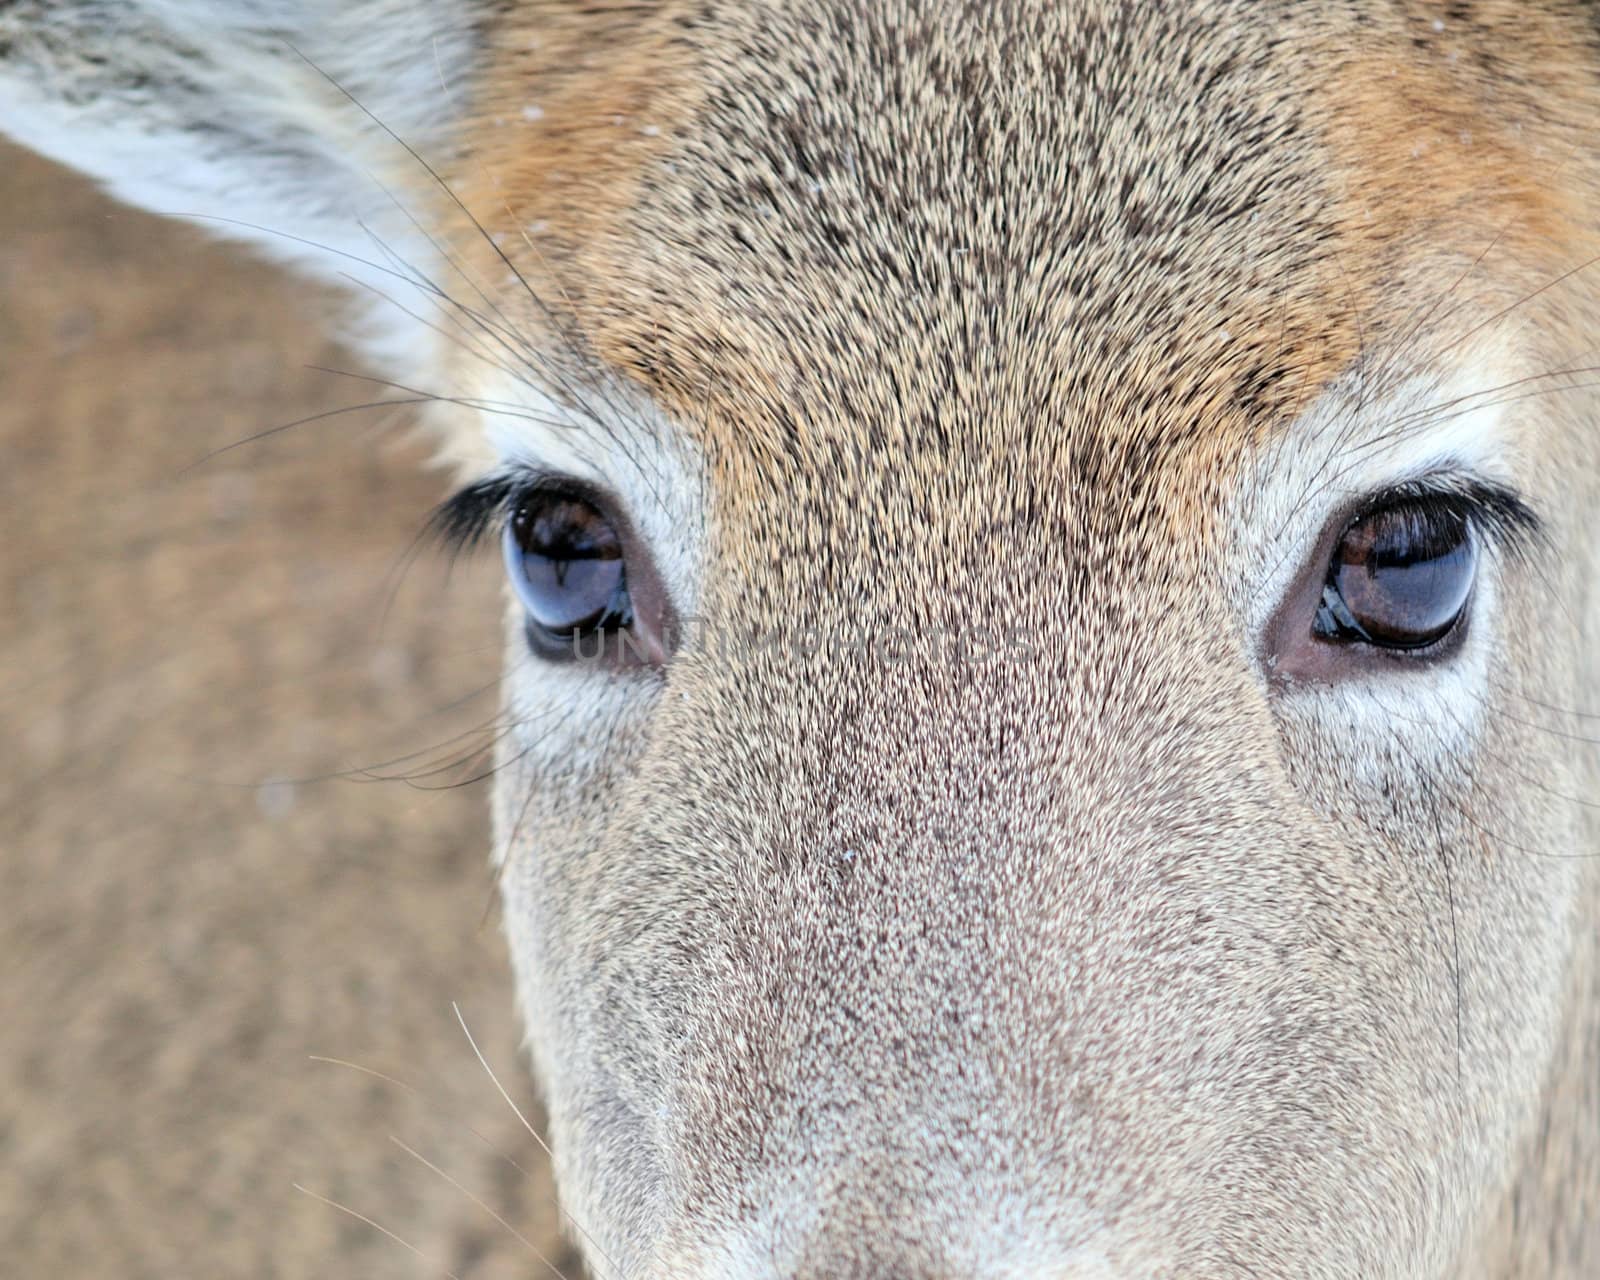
{"type": "Point", "coordinates": [200, 890]}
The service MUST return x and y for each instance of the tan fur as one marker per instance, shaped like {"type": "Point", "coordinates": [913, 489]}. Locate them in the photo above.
{"type": "Point", "coordinates": [783, 327]}
{"type": "Point", "coordinates": [1130, 958]}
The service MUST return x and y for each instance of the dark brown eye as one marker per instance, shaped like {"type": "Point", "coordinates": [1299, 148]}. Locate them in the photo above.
{"type": "Point", "coordinates": [566, 563]}
{"type": "Point", "coordinates": [1400, 577]}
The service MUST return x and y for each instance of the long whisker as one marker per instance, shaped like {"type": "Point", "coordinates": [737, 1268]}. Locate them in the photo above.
{"type": "Point", "coordinates": [292, 238]}
{"type": "Point", "coordinates": [256, 437]}
{"type": "Point", "coordinates": [454, 311]}
{"type": "Point", "coordinates": [1551, 707]}
{"type": "Point", "coordinates": [419, 1094]}
{"type": "Point", "coordinates": [651, 480]}
{"type": "Point", "coordinates": [454, 199]}
{"type": "Point", "coordinates": [506, 408]}
{"type": "Point", "coordinates": [526, 1124]}
{"type": "Point", "coordinates": [1501, 314]}
{"type": "Point", "coordinates": [1361, 389]}
{"type": "Point", "coordinates": [500, 331]}
{"type": "Point", "coordinates": [1411, 424]}
{"type": "Point", "coordinates": [481, 1203]}
{"type": "Point", "coordinates": [530, 792]}
{"type": "Point", "coordinates": [1562, 734]}
{"type": "Point", "coordinates": [1407, 425]}
{"type": "Point", "coordinates": [410, 275]}
{"type": "Point", "coordinates": [1412, 331]}
{"type": "Point", "coordinates": [1456, 972]}
{"type": "Point", "coordinates": [378, 1227]}
{"type": "Point", "coordinates": [1538, 785]}
{"type": "Point", "coordinates": [1498, 839]}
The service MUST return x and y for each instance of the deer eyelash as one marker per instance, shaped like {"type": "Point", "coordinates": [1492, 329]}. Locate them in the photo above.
{"type": "Point", "coordinates": [462, 521]}
{"type": "Point", "coordinates": [1498, 513]}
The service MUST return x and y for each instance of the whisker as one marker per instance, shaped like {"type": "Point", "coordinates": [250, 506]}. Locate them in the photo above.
{"type": "Point", "coordinates": [1423, 419]}
{"type": "Point", "coordinates": [1361, 389]}
{"type": "Point", "coordinates": [1497, 839]}
{"type": "Point", "coordinates": [379, 1227]}
{"type": "Point", "coordinates": [410, 275]}
{"type": "Point", "coordinates": [358, 773]}
{"type": "Point", "coordinates": [480, 1202]}
{"type": "Point", "coordinates": [419, 1094]}
{"type": "Point", "coordinates": [1504, 763]}
{"type": "Point", "coordinates": [1562, 734]}
{"type": "Point", "coordinates": [505, 332]}
{"type": "Point", "coordinates": [502, 333]}
{"type": "Point", "coordinates": [526, 1124]}
{"type": "Point", "coordinates": [1455, 937]}
{"type": "Point", "coordinates": [501, 329]}
{"type": "Point", "coordinates": [455, 339]}
{"type": "Point", "coordinates": [505, 408]}
{"type": "Point", "coordinates": [521, 755]}
{"type": "Point", "coordinates": [367, 1071]}
{"type": "Point", "coordinates": [292, 238]}
{"type": "Point", "coordinates": [417, 781]}
{"type": "Point", "coordinates": [1411, 424]}
{"type": "Point", "coordinates": [1548, 706]}
{"type": "Point", "coordinates": [617, 412]}
{"type": "Point", "coordinates": [1523, 301]}
{"type": "Point", "coordinates": [532, 294]}
{"type": "Point", "coordinates": [495, 1080]}
{"type": "Point", "coordinates": [258, 436]}
{"type": "Point", "coordinates": [529, 792]}
{"type": "Point", "coordinates": [1412, 332]}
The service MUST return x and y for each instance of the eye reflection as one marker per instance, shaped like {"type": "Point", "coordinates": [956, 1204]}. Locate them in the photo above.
{"type": "Point", "coordinates": [566, 564]}
{"type": "Point", "coordinates": [1400, 577]}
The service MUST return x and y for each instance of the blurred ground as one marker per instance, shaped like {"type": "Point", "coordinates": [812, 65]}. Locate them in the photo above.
{"type": "Point", "coordinates": [186, 916]}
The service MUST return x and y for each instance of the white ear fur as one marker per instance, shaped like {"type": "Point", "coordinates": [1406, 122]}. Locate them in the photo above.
{"type": "Point", "coordinates": [235, 113]}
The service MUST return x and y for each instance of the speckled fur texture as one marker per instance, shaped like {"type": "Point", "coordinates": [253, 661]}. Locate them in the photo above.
{"type": "Point", "coordinates": [1122, 958]}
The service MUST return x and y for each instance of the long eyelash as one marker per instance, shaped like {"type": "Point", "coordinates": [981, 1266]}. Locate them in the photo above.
{"type": "Point", "coordinates": [464, 519]}
{"type": "Point", "coordinates": [1498, 513]}
{"type": "Point", "coordinates": [1501, 513]}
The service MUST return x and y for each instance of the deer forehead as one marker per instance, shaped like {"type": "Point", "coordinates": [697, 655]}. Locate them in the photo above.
{"type": "Point", "coordinates": [936, 242]}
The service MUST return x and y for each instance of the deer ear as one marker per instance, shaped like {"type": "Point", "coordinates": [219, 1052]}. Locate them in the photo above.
{"type": "Point", "coordinates": [277, 122]}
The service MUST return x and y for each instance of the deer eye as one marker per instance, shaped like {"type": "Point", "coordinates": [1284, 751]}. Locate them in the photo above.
{"type": "Point", "coordinates": [565, 558]}
{"type": "Point", "coordinates": [1400, 576]}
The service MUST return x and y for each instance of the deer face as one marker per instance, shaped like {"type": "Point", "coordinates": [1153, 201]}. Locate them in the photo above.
{"type": "Point", "coordinates": [1023, 625]}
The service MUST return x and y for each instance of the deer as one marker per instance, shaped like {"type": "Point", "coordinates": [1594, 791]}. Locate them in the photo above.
{"type": "Point", "coordinates": [1050, 722]}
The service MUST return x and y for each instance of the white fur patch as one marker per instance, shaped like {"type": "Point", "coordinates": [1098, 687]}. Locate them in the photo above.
{"type": "Point", "coordinates": [1351, 444]}
{"type": "Point", "coordinates": [282, 125]}
{"type": "Point", "coordinates": [622, 444]}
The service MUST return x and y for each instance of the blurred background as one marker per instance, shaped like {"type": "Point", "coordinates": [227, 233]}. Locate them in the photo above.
{"type": "Point", "coordinates": [240, 831]}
